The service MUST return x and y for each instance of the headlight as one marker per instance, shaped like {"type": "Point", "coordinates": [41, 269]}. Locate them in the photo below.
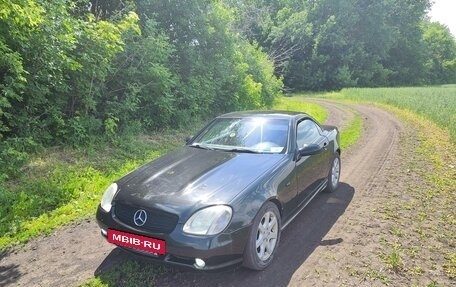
{"type": "Point", "coordinates": [209, 221]}
{"type": "Point", "coordinates": [108, 195]}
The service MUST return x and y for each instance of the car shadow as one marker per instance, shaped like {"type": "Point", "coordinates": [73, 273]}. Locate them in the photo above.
{"type": "Point", "coordinates": [301, 237]}
{"type": "Point", "coordinates": [9, 274]}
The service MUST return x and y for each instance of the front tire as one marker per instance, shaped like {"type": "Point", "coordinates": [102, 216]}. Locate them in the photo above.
{"type": "Point", "coordinates": [264, 238]}
{"type": "Point", "coordinates": [334, 174]}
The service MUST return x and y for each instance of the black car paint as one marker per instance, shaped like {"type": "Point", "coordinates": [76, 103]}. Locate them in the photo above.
{"type": "Point", "coordinates": [190, 178]}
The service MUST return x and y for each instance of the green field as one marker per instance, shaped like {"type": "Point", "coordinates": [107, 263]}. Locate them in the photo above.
{"type": "Point", "coordinates": [436, 103]}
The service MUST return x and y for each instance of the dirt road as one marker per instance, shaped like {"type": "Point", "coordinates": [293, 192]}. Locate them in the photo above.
{"type": "Point", "coordinates": [313, 250]}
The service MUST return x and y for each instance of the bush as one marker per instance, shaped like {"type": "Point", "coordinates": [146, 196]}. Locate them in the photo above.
{"type": "Point", "coordinates": [71, 77]}
{"type": "Point", "coordinates": [13, 155]}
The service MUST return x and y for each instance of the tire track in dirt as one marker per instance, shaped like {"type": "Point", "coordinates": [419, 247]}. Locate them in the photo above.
{"type": "Point", "coordinates": [365, 168]}
{"type": "Point", "coordinates": [65, 258]}
{"type": "Point", "coordinates": [338, 115]}
{"type": "Point", "coordinates": [74, 253]}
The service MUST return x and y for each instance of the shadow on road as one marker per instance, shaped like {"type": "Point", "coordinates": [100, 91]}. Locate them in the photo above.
{"type": "Point", "coordinates": [9, 274]}
{"type": "Point", "coordinates": [298, 241]}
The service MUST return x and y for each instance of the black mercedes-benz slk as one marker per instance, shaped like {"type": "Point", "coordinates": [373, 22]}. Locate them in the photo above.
{"type": "Point", "coordinates": [225, 196]}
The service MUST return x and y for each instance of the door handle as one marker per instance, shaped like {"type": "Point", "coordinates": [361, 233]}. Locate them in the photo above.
{"type": "Point", "coordinates": [325, 146]}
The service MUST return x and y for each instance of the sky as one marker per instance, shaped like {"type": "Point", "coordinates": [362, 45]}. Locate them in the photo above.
{"type": "Point", "coordinates": [444, 11]}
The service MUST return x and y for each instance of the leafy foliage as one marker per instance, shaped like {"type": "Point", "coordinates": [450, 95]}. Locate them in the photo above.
{"type": "Point", "coordinates": [86, 73]}
{"type": "Point", "coordinates": [72, 70]}
{"type": "Point", "coordinates": [441, 53]}
{"type": "Point", "coordinates": [332, 44]}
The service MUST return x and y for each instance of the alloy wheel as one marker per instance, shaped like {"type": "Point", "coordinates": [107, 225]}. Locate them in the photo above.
{"type": "Point", "coordinates": [267, 234]}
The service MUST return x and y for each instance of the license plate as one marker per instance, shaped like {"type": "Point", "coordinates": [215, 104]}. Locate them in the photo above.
{"type": "Point", "coordinates": [137, 242]}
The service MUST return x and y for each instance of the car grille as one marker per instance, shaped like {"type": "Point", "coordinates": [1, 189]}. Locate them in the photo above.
{"type": "Point", "coordinates": [158, 221]}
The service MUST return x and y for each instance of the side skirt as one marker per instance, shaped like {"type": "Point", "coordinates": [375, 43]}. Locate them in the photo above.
{"type": "Point", "coordinates": [322, 186]}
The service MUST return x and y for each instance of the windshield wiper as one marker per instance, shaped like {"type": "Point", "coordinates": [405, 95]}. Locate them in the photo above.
{"type": "Point", "coordinates": [246, 150]}
{"type": "Point", "coordinates": [197, 145]}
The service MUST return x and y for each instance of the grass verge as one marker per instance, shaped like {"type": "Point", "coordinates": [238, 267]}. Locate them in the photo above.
{"type": "Point", "coordinates": [422, 220]}
{"type": "Point", "coordinates": [351, 133]}
{"type": "Point", "coordinates": [59, 185]}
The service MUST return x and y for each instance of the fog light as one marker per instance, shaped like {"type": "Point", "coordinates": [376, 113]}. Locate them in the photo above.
{"type": "Point", "coordinates": [104, 232]}
{"type": "Point", "coordinates": [199, 263]}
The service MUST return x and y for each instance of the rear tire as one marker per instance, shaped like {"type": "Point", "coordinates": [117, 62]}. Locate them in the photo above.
{"type": "Point", "coordinates": [264, 238]}
{"type": "Point", "coordinates": [334, 174]}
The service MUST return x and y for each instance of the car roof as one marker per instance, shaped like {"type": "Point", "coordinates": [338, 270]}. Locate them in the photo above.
{"type": "Point", "coordinates": [265, 114]}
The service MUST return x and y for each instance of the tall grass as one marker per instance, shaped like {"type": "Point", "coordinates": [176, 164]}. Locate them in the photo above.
{"type": "Point", "coordinates": [61, 185]}
{"type": "Point", "coordinates": [436, 103]}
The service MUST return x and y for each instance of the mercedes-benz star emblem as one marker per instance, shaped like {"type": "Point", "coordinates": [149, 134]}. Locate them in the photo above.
{"type": "Point", "coordinates": [140, 217]}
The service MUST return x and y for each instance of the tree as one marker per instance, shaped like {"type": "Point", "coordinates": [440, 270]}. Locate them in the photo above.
{"type": "Point", "coordinates": [440, 46]}
{"type": "Point", "coordinates": [18, 21]}
{"type": "Point", "coordinates": [330, 44]}
{"type": "Point", "coordinates": [210, 60]}
{"type": "Point", "coordinates": [55, 66]}
{"type": "Point", "coordinates": [405, 59]}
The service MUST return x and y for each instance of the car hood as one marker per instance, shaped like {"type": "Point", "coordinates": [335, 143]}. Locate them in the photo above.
{"type": "Point", "coordinates": [190, 178]}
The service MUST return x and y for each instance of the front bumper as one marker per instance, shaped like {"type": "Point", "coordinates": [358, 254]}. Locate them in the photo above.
{"type": "Point", "coordinates": [182, 249]}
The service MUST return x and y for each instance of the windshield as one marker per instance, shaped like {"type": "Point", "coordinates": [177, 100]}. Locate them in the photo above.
{"type": "Point", "coordinates": [256, 134]}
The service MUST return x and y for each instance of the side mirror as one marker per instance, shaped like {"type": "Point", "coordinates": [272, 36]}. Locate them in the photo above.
{"type": "Point", "coordinates": [188, 139]}
{"type": "Point", "coordinates": [310, 150]}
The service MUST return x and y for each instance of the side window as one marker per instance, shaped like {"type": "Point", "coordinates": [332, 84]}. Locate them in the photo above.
{"type": "Point", "coordinates": [307, 133]}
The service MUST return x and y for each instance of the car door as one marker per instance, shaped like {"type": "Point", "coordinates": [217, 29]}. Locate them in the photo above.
{"type": "Point", "coordinates": [311, 170]}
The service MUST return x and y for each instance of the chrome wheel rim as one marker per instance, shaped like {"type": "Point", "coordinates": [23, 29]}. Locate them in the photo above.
{"type": "Point", "coordinates": [335, 172]}
{"type": "Point", "coordinates": [266, 238]}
